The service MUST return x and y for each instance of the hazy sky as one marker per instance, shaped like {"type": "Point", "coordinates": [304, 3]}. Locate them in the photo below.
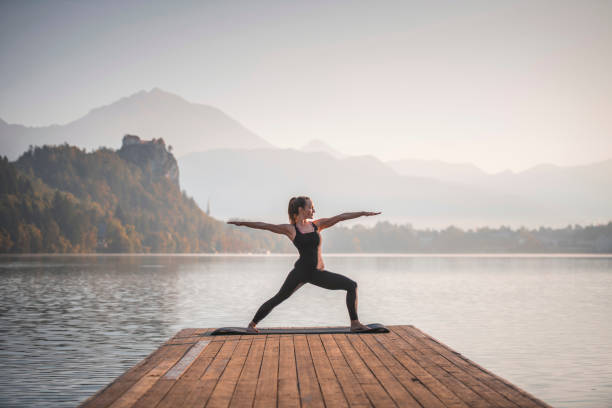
{"type": "Point", "coordinates": [498, 84]}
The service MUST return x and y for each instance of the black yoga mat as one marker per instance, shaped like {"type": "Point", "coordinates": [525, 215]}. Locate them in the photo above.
{"type": "Point", "coordinates": [374, 328]}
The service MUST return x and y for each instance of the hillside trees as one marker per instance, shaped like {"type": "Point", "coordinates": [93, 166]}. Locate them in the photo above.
{"type": "Point", "coordinates": [62, 199]}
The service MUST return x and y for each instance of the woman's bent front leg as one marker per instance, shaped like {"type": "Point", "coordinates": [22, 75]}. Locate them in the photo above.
{"type": "Point", "coordinates": [335, 281]}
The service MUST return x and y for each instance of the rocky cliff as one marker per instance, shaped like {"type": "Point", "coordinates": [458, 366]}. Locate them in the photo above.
{"type": "Point", "coordinates": [151, 156]}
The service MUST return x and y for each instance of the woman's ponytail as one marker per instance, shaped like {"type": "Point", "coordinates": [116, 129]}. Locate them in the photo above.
{"type": "Point", "coordinates": [294, 204]}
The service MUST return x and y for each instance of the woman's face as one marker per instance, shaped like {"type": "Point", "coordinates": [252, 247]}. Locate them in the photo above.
{"type": "Point", "coordinates": [308, 209]}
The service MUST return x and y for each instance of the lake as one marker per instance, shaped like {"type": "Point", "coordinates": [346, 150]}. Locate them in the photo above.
{"type": "Point", "coordinates": [69, 325]}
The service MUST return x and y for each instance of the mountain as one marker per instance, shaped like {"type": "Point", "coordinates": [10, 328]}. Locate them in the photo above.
{"type": "Point", "coordinates": [154, 114]}
{"type": "Point", "coordinates": [257, 184]}
{"type": "Point", "coordinates": [436, 169]}
{"type": "Point", "coordinates": [585, 190]}
{"type": "Point", "coordinates": [316, 145]}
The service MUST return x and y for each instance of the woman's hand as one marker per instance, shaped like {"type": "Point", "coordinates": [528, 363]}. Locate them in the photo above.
{"type": "Point", "coordinates": [239, 223]}
{"type": "Point", "coordinates": [367, 213]}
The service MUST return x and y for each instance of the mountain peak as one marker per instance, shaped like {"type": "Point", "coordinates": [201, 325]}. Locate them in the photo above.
{"type": "Point", "coordinates": [158, 92]}
{"type": "Point", "coordinates": [152, 114]}
{"type": "Point", "coordinates": [506, 172]}
{"type": "Point", "coordinates": [155, 95]}
{"type": "Point", "coordinates": [317, 145]}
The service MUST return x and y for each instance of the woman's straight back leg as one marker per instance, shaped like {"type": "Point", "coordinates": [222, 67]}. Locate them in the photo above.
{"type": "Point", "coordinates": [295, 279]}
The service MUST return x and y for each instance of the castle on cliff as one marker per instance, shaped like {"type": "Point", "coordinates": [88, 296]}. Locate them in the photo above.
{"type": "Point", "coordinates": [151, 156]}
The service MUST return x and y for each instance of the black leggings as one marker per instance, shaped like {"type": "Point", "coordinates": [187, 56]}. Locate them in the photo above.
{"type": "Point", "coordinates": [318, 277]}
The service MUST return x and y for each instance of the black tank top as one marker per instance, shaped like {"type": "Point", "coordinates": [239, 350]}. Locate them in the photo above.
{"type": "Point", "coordinates": [307, 245]}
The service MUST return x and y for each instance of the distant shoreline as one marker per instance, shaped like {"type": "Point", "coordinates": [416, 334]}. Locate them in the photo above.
{"type": "Point", "coordinates": [328, 255]}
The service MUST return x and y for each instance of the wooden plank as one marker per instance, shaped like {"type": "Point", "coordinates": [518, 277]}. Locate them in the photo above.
{"type": "Point", "coordinates": [244, 395]}
{"type": "Point", "coordinates": [267, 387]}
{"type": "Point", "coordinates": [185, 339]}
{"type": "Point", "coordinates": [179, 368]}
{"type": "Point", "coordinates": [155, 394]}
{"type": "Point", "coordinates": [205, 386]}
{"type": "Point", "coordinates": [417, 389]}
{"type": "Point", "coordinates": [475, 383]}
{"type": "Point", "coordinates": [222, 394]}
{"type": "Point", "coordinates": [351, 388]}
{"type": "Point", "coordinates": [185, 336]}
{"type": "Point", "coordinates": [129, 398]}
{"type": "Point", "coordinates": [391, 341]}
{"type": "Point", "coordinates": [330, 387]}
{"type": "Point", "coordinates": [114, 390]}
{"type": "Point", "coordinates": [422, 358]}
{"type": "Point", "coordinates": [288, 394]}
{"type": "Point", "coordinates": [187, 383]}
{"type": "Point", "coordinates": [501, 386]}
{"type": "Point", "coordinates": [185, 333]}
{"type": "Point", "coordinates": [308, 384]}
{"type": "Point", "coordinates": [373, 389]}
{"type": "Point", "coordinates": [223, 338]}
{"type": "Point", "coordinates": [181, 341]}
{"type": "Point", "coordinates": [394, 388]}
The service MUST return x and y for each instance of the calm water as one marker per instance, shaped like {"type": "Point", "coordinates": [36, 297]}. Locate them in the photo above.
{"type": "Point", "coordinates": [70, 325]}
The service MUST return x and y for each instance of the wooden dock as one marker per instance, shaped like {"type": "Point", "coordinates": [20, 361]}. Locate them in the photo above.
{"type": "Point", "coordinates": [402, 368]}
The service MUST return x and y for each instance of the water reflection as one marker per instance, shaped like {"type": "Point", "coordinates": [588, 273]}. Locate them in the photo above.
{"type": "Point", "coordinates": [68, 325]}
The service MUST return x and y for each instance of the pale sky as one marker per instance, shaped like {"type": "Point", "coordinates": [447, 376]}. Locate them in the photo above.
{"type": "Point", "coordinates": [502, 85]}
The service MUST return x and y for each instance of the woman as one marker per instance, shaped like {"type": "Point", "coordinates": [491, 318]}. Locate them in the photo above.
{"type": "Point", "coordinates": [309, 267]}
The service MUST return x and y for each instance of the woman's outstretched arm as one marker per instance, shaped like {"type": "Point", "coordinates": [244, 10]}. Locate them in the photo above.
{"type": "Point", "coordinates": [277, 228]}
{"type": "Point", "coordinates": [328, 222]}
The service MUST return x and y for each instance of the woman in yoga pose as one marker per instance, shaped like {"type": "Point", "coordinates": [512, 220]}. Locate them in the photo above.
{"type": "Point", "coordinates": [309, 267]}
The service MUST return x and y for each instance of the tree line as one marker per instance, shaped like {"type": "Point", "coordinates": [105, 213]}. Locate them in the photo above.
{"type": "Point", "coordinates": [385, 237]}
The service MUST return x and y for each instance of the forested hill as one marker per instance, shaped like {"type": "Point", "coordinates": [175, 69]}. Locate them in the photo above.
{"type": "Point", "coordinates": [62, 199]}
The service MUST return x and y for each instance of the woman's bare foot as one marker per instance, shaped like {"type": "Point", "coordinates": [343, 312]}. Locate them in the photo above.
{"type": "Point", "coordinates": [356, 326]}
{"type": "Point", "coordinates": [251, 328]}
